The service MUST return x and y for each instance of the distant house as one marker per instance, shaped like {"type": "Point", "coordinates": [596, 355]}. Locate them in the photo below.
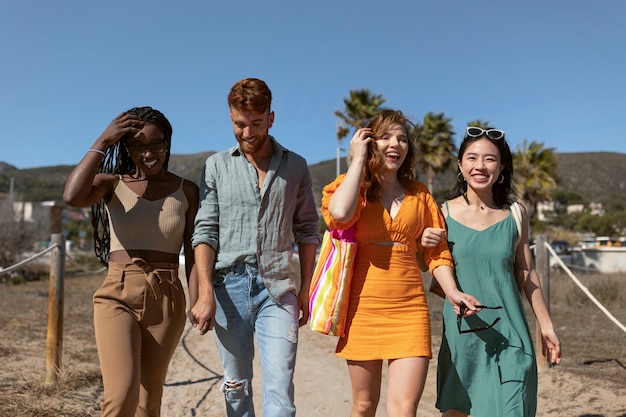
{"type": "Point", "coordinates": [575, 208]}
{"type": "Point", "coordinates": [45, 214]}
{"type": "Point", "coordinates": [596, 209]}
{"type": "Point", "coordinates": [545, 208]}
{"type": "Point", "coordinates": [23, 211]}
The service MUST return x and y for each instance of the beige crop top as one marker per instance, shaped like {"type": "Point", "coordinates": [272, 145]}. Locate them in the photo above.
{"type": "Point", "coordinates": [132, 220]}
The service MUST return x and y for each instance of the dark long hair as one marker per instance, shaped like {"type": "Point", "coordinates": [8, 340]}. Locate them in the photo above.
{"type": "Point", "coordinates": [375, 160]}
{"type": "Point", "coordinates": [503, 190]}
{"type": "Point", "coordinates": [118, 161]}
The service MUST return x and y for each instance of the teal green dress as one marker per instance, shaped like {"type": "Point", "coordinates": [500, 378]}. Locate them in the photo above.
{"type": "Point", "coordinates": [490, 372]}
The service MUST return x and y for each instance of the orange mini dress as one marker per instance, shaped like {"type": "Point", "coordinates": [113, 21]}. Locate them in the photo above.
{"type": "Point", "coordinates": [388, 312]}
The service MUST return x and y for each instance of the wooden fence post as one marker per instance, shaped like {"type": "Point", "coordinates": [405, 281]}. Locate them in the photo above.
{"type": "Point", "coordinates": [543, 270]}
{"type": "Point", "coordinates": [54, 340]}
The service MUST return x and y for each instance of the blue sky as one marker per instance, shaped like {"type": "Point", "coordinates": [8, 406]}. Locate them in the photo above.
{"type": "Point", "coordinates": [550, 71]}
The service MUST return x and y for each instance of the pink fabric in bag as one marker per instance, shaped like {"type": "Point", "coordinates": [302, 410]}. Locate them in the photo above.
{"type": "Point", "coordinates": [329, 294]}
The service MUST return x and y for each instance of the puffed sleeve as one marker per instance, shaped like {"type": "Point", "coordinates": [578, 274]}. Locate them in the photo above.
{"type": "Point", "coordinates": [327, 193]}
{"type": "Point", "coordinates": [440, 254]}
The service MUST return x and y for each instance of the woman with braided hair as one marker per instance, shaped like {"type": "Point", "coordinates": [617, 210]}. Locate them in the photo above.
{"type": "Point", "coordinates": [142, 215]}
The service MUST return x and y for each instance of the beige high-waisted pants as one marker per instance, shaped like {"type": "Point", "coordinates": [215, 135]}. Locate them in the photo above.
{"type": "Point", "coordinates": [139, 316]}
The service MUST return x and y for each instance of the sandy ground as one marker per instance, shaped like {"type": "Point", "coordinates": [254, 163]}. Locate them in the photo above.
{"type": "Point", "coordinates": [323, 387]}
{"type": "Point", "coordinates": [589, 383]}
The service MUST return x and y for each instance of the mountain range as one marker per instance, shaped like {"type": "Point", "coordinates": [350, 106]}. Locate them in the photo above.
{"type": "Point", "coordinates": [595, 176]}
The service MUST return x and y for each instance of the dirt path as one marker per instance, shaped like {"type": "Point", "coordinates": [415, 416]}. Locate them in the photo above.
{"type": "Point", "coordinates": [321, 380]}
{"type": "Point", "coordinates": [323, 389]}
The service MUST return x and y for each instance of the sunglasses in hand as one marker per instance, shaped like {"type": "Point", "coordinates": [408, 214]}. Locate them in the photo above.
{"type": "Point", "coordinates": [463, 310]}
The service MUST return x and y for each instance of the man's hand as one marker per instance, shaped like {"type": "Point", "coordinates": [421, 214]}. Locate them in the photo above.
{"type": "Point", "coordinates": [202, 315]}
{"type": "Point", "coordinates": [303, 306]}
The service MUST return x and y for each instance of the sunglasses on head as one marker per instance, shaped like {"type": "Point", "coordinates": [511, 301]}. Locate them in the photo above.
{"type": "Point", "coordinates": [476, 132]}
{"type": "Point", "coordinates": [463, 309]}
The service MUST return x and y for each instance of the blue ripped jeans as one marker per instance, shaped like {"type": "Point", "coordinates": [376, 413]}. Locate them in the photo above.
{"type": "Point", "coordinates": [244, 308]}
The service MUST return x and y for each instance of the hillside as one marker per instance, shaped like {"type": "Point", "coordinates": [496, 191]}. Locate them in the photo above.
{"type": "Point", "coordinates": [4, 167]}
{"type": "Point", "coordinates": [46, 183]}
{"type": "Point", "coordinates": [596, 176]}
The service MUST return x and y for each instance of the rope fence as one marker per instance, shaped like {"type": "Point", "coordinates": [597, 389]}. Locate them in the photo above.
{"type": "Point", "coordinates": [48, 250]}
{"type": "Point", "coordinates": [25, 261]}
{"type": "Point", "coordinates": [54, 338]}
{"type": "Point", "coordinates": [80, 267]}
{"type": "Point", "coordinates": [57, 283]}
{"type": "Point", "coordinates": [583, 288]}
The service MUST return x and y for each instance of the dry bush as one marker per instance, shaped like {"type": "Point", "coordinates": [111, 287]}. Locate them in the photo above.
{"type": "Point", "coordinates": [75, 395]}
{"type": "Point", "coordinates": [593, 345]}
{"type": "Point", "coordinates": [23, 329]}
{"type": "Point", "coordinates": [15, 236]}
{"type": "Point", "coordinates": [602, 287]}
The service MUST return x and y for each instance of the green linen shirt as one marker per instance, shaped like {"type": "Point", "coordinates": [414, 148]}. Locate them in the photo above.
{"type": "Point", "coordinates": [247, 225]}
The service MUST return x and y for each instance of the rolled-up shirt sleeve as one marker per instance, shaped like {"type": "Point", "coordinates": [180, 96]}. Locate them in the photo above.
{"type": "Point", "coordinates": [305, 215]}
{"type": "Point", "coordinates": [206, 226]}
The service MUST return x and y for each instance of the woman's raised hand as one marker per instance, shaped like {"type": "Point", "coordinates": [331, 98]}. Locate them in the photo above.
{"type": "Point", "coordinates": [124, 123]}
{"type": "Point", "coordinates": [359, 143]}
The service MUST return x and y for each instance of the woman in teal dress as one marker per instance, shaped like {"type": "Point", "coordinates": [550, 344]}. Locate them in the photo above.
{"type": "Point", "coordinates": [486, 362]}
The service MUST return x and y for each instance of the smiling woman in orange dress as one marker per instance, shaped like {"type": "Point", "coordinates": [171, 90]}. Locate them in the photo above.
{"type": "Point", "coordinates": [388, 313]}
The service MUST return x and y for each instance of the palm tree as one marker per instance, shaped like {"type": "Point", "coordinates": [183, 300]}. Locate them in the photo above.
{"type": "Point", "coordinates": [535, 173]}
{"type": "Point", "coordinates": [435, 140]}
{"type": "Point", "coordinates": [360, 107]}
{"type": "Point", "coordinates": [484, 124]}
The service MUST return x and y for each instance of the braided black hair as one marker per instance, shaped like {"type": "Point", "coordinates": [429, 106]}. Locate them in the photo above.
{"type": "Point", "coordinates": [118, 161]}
